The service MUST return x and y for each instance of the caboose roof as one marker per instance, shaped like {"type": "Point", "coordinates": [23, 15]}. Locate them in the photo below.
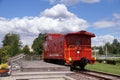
{"type": "Point", "coordinates": [82, 33]}
{"type": "Point", "coordinates": [51, 36]}
{"type": "Point", "coordinates": [54, 34]}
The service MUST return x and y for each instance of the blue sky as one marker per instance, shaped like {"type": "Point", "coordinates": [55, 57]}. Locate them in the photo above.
{"type": "Point", "coordinates": [31, 17]}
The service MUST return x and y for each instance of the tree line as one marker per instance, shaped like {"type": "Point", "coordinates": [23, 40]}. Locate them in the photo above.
{"type": "Point", "coordinates": [109, 48]}
{"type": "Point", "coordinates": [11, 46]}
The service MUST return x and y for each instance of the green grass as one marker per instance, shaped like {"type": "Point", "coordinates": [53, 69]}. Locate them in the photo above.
{"type": "Point", "coordinates": [114, 69]}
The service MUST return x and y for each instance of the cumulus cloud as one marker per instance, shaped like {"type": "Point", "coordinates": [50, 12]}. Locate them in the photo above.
{"type": "Point", "coordinates": [62, 20]}
{"type": "Point", "coordinates": [58, 11]}
{"type": "Point", "coordinates": [55, 19]}
{"type": "Point", "coordinates": [101, 40]}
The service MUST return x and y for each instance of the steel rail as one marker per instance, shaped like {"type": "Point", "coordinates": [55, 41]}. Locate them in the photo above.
{"type": "Point", "coordinates": [99, 75]}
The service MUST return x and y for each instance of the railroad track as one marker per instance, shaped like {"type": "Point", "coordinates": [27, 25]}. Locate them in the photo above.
{"type": "Point", "coordinates": [99, 75]}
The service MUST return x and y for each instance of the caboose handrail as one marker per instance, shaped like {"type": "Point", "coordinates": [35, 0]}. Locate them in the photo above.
{"type": "Point", "coordinates": [70, 46]}
{"type": "Point", "coordinates": [84, 45]}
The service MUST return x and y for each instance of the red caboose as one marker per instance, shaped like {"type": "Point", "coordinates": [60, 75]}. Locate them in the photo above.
{"type": "Point", "coordinates": [73, 49]}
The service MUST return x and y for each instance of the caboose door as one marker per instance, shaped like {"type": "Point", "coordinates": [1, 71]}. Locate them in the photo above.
{"type": "Point", "coordinates": [69, 54]}
{"type": "Point", "coordinates": [72, 53]}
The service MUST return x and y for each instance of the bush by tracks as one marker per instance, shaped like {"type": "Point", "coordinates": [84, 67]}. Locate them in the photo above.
{"type": "Point", "coordinates": [112, 61]}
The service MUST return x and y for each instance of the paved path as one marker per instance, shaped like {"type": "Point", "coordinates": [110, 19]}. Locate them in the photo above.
{"type": "Point", "coordinates": [38, 76]}
{"type": "Point", "coordinates": [39, 70]}
{"type": "Point", "coordinates": [28, 66]}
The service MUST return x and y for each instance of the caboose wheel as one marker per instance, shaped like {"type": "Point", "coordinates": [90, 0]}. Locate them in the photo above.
{"type": "Point", "coordinates": [72, 68]}
{"type": "Point", "coordinates": [83, 63]}
{"type": "Point", "coordinates": [82, 67]}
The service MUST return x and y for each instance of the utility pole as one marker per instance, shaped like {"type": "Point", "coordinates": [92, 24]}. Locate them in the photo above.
{"type": "Point", "coordinates": [106, 52]}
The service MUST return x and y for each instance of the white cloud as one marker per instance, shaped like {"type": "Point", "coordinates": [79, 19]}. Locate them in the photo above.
{"type": "Point", "coordinates": [116, 15]}
{"type": "Point", "coordinates": [72, 2]}
{"type": "Point", "coordinates": [101, 40]}
{"type": "Point", "coordinates": [58, 11]}
{"type": "Point", "coordinates": [55, 19]}
{"type": "Point", "coordinates": [117, 18]}
{"type": "Point", "coordinates": [52, 1]}
{"type": "Point", "coordinates": [90, 1]}
{"type": "Point", "coordinates": [104, 24]}
{"type": "Point", "coordinates": [113, 22]}
{"type": "Point", "coordinates": [62, 20]}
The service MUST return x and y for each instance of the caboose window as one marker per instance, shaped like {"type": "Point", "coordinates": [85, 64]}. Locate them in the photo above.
{"type": "Point", "coordinates": [78, 43]}
{"type": "Point", "coordinates": [77, 40]}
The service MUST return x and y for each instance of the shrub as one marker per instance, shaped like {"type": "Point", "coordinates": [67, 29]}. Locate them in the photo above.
{"type": "Point", "coordinates": [4, 66]}
{"type": "Point", "coordinates": [111, 62]}
{"type": "Point", "coordinates": [100, 60]}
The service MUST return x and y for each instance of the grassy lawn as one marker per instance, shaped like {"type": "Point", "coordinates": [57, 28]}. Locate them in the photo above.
{"type": "Point", "coordinates": [115, 69]}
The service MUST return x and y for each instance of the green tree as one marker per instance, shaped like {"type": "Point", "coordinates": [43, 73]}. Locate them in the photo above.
{"type": "Point", "coordinates": [116, 46]}
{"type": "Point", "coordinates": [26, 50]}
{"type": "Point", "coordinates": [12, 40]}
{"type": "Point", "coordinates": [101, 51]}
{"type": "Point", "coordinates": [115, 42]}
{"type": "Point", "coordinates": [112, 48]}
{"type": "Point", "coordinates": [108, 47]}
{"type": "Point", "coordinates": [4, 54]}
{"type": "Point", "coordinates": [37, 45]}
